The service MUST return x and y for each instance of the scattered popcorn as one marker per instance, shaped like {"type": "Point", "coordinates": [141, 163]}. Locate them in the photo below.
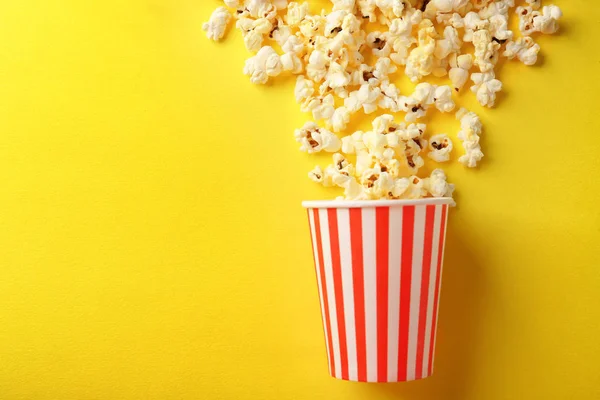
{"type": "Point", "coordinates": [314, 139]}
{"type": "Point", "coordinates": [322, 107]}
{"type": "Point", "coordinates": [420, 59]}
{"type": "Point", "coordinates": [232, 3]}
{"type": "Point", "coordinates": [524, 48]}
{"type": "Point", "coordinates": [485, 86]}
{"type": "Point", "coordinates": [526, 15]}
{"type": "Point", "coordinates": [451, 43]}
{"type": "Point", "coordinates": [266, 63]}
{"type": "Point", "coordinates": [448, 6]}
{"type": "Point", "coordinates": [217, 24]}
{"type": "Point", "coordinates": [470, 129]}
{"type": "Point", "coordinates": [441, 147]}
{"type": "Point", "coordinates": [437, 186]}
{"type": "Point", "coordinates": [547, 22]}
{"type": "Point", "coordinates": [340, 119]}
{"type": "Point", "coordinates": [459, 74]}
{"type": "Point", "coordinates": [486, 50]}
{"type": "Point", "coordinates": [344, 68]}
{"type": "Point", "coordinates": [296, 13]}
{"type": "Point", "coordinates": [366, 98]}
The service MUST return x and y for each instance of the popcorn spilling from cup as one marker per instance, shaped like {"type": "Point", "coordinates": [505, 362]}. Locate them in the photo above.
{"type": "Point", "coordinates": [344, 67]}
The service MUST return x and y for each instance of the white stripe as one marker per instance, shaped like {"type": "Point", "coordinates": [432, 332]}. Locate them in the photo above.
{"type": "Point", "coordinates": [370, 272]}
{"type": "Point", "coordinates": [311, 218]}
{"type": "Point", "coordinates": [330, 290]}
{"type": "Point", "coordinates": [415, 291]}
{"type": "Point", "coordinates": [440, 286]}
{"type": "Point", "coordinates": [348, 289]}
{"type": "Point", "coordinates": [430, 297]}
{"type": "Point", "coordinates": [395, 248]}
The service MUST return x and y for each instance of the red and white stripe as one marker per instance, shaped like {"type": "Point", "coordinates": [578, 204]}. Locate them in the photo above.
{"type": "Point", "coordinates": [379, 276]}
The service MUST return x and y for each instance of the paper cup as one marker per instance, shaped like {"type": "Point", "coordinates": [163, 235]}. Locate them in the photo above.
{"type": "Point", "coordinates": [379, 270]}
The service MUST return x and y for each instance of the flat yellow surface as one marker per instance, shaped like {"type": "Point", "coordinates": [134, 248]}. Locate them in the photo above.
{"type": "Point", "coordinates": [152, 244]}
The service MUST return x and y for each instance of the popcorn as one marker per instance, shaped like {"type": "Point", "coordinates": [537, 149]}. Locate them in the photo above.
{"type": "Point", "coordinates": [497, 8]}
{"type": "Point", "coordinates": [379, 43]}
{"type": "Point", "coordinates": [291, 62]}
{"type": "Point", "coordinates": [524, 48]}
{"type": "Point", "coordinates": [420, 60]}
{"type": "Point", "coordinates": [367, 9]}
{"type": "Point", "coordinates": [470, 129]}
{"type": "Point", "coordinates": [473, 23]}
{"type": "Point", "coordinates": [232, 3]}
{"type": "Point", "coordinates": [384, 68]}
{"type": "Point", "coordinates": [314, 139]}
{"type": "Point", "coordinates": [217, 24]}
{"type": "Point", "coordinates": [318, 175]}
{"type": "Point", "coordinates": [451, 43]}
{"type": "Point", "coordinates": [312, 26]}
{"type": "Point", "coordinates": [260, 8]}
{"type": "Point", "coordinates": [437, 186]}
{"type": "Point", "coordinates": [447, 6]}
{"type": "Point", "coordinates": [266, 63]}
{"type": "Point", "coordinates": [296, 13]}
{"type": "Point", "coordinates": [416, 189]}
{"type": "Point", "coordinates": [337, 77]}
{"type": "Point", "coordinates": [390, 97]}
{"type": "Point", "coordinates": [330, 54]}
{"type": "Point", "coordinates": [376, 183]}
{"type": "Point", "coordinates": [401, 186]}
{"type": "Point", "coordinates": [317, 66]}
{"type": "Point", "coordinates": [280, 4]}
{"type": "Point", "coordinates": [304, 89]}
{"type": "Point", "coordinates": [499, 28]}
{"type": "Point", "coordinates": [455, 20]}
{"type": "Point", "coordinates": [294, 45]}
{"type": "Point", "coordinates": [526, 15]}
{"type": "Point", "coordinates": [366, 98]}
{"type": "Point", "coordinates": [479, 4]}
{"type": "Point", "coordinates": [485, 86]}
{"type": "Point", "coordinates": [401, 48]}
{"type": "Point", "coordinates": [547, 22]}
{"type": "Point", "coordinates": [385, 124]}
{"type": "Point", "coordinates": [334, 22]}
{"type": "Point", "coordinates": [486, 50]}
{"type": "Point", "coordinates": [322, 107]}
{"type": "Point", "coordinates": [346, 5]}
{"type": "Point", "coordinates": [352, 144]}
{"type": "Point", "coordinates": [441, 147]}
{"type": "Point", "coordinates": [280, 32]}
{"type": "Point", "coordinates": [459, 74]}
{"type": "Point", "coordinates": [340, 119]}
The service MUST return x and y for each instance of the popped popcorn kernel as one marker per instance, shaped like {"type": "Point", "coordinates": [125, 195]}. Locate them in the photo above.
{"type": "Point", "coordinates": [314, 139]}
{"type": "Point", "coordinates": [217, 24]}
{"type": "Point", "coordinates": [440, 147]}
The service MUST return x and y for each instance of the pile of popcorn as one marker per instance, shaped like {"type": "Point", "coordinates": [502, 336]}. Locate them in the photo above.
{"type": "Point", "coordinates": [329, 52]}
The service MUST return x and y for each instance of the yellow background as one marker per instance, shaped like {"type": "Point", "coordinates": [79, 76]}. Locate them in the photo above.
{"type": "Point", "coordinates": [152, 244]}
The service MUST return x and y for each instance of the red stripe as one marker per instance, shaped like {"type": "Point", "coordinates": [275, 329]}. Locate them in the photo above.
{"type": "Point", "coordinates": [312, 241]}
{"type": "Point", "coordinates": [359, 291]}
{"type": "Point", "coordinates": [437, 286]}
{"type": "Point", "coordinates": [428, 242]}
{"type": "Point", "coordinates": [382, 243]}
{"type": "Point", "coordinates": [408, 226]}
{"type": "Point", "coordinates": [324, 289]}
{"type": "Point", "coordinates": [334, 241]}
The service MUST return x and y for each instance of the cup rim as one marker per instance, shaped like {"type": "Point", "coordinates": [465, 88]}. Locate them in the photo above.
{"type": "Point", "coordinates": [375, 203]}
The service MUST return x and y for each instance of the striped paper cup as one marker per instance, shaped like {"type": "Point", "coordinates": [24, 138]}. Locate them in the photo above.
{"type": "Point", "coordinates": [379, 269]}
